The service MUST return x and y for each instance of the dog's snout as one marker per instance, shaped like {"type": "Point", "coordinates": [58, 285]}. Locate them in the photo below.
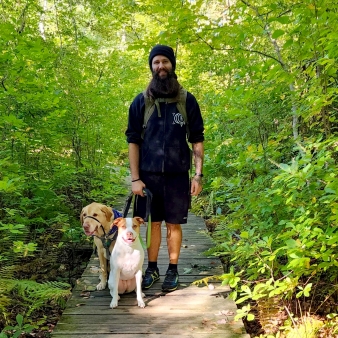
{"type": "Point", "coordinates": [130, 235]}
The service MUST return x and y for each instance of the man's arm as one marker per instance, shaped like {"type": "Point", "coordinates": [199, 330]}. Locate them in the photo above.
{"type": "Point", "coordinates": [134, 161]}
{"type": "Point", "coordinates": [196, 183]}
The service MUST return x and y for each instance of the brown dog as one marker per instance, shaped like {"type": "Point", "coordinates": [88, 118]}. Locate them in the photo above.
{"type": "Point", "coordinates": [96, 220]}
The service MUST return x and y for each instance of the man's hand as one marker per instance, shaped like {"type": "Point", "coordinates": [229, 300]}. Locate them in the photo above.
{"type": "Point", "coordinates": [196, 185]}
{"type": "Point", "coordinates": [137, 187]}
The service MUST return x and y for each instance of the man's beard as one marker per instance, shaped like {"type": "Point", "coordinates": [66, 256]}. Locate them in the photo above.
{"type": "Point", "coordinates": [163, 87]}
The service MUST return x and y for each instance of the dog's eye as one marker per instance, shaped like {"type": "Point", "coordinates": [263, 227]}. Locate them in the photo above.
{"type": "Point", "coordinates": [134, 226]}
{"type": "Point", "coordinates": [124, 227]}
{"type": "Point", "coordinates": [84, 214]}
{"type": "Point", "coordinates": [95, 215]}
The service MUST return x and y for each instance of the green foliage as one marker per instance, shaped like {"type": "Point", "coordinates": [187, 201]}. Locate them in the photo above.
{"type": "Point", "coordinates": [265, 75]}
{"type": "Point", "coordinates": [17, 329]}
{"type": "Point", "coordinates": [32, 295]}
{"type": "Point", "coordinates": [288, 247]}
{"type": "Point", "coordinates": [61, 107]}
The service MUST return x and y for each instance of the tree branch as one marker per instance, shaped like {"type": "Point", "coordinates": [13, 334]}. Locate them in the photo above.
{"type": "Point", "coordinates": [243, 49]}
{"type": "Point", "coordinates": [3, 83]}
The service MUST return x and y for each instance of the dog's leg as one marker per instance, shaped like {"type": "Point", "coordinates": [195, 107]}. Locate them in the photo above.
{"type": "Point", "coordinates": [113, 284]}
{"type": "Point", "coordinates": [139, 294]}
{"type": "Point", "coordinates": [103, 267]}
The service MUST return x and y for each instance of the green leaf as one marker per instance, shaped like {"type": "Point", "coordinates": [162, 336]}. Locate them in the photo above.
{"type": "Point", "coordinates": [250, 317]}
{"type": "Point", "coordinates": [283, 19]}
{"type": "Point", "coordinates": [288, 43]}
{"type": "Point", "coordinates": [277, 33]}
{"type": "Point", "coordinates": [291, 243]}
{"type": "Point", "coordinates": [285, 167]}
{"type": "Point", "coordinates": [244, 234]}
{"type": "Point", "coordinates": [19, 319]}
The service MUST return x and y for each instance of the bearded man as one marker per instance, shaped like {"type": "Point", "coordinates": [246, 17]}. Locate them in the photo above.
{"type": "Point", "coordinates": [159, 158]}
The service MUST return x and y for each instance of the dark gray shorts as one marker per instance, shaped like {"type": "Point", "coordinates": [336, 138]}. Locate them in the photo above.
{"type": "Point", "coordinates": [171, 197]}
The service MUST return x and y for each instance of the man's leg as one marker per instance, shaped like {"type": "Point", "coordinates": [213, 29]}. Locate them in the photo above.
{"type": "Point", "coordinates": [152, 274]}
{"type": "Point", "coordinates": [174, 242]}
{"type": "Point", "coordinates": [155, 241]}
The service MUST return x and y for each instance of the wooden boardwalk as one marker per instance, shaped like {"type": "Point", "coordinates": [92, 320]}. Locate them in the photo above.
{"type": "Point", "coordinates": [190, 311]}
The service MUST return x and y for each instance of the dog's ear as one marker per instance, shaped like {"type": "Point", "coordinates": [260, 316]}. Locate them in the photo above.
{"type": "Point", "coordinates": [108, 212]}
{"type": "Point", "coordinates": [139, 220]}
{"type": "Point", "coordinates": [81, 216]}
{"type": "Point", "coordinates": [116, 221]}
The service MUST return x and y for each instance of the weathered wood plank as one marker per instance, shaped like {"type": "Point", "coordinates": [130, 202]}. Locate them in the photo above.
{"type": "Point", "coordinates": [151, 335]}
{"type": "Point", "coordinates": [144, 330]}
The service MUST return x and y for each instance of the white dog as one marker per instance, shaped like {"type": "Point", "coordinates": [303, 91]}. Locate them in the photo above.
{"type": "Point", "coordinates": [126, 261]}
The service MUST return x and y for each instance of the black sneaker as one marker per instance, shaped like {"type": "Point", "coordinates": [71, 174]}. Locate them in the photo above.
{"type": "Point", "coordinates": [150, 277]}
{"type": "Point", "coordinates": [170, 282]}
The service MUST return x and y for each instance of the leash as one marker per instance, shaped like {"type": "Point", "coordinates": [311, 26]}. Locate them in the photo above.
{"type": "Point", "coordinates": [106, 239]}
{"type": "Point", "coordinates": [131, 200]}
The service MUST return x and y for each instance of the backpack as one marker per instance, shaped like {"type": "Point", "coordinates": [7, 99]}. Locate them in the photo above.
{"type": "Point", "coordinates": [150, 105]}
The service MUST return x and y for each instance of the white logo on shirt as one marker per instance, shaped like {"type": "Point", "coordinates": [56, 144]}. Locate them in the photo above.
{"type": "Point", "coordinates": [178, 119]}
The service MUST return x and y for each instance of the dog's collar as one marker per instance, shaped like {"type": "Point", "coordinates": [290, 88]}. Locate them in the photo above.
{"type": "Point", "coordinates": [92, 217]}
{"type": "Point", "coordinates": [117, 214]}
{"type": "Point", "coordinates": [106, 239]}
{"type": "Point", "coordinates": [112, 231]}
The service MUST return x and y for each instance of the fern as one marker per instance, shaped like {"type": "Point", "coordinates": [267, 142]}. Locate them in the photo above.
{"type": "Point", "coordinates": [7, 272]}
{"type": "Point", "coordinates": [36, 295]}
{"type": "Point", "coordinates": [4, 302]}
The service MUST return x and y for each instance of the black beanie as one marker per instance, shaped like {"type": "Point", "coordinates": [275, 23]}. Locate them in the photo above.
{"type": "Point", "coordinates": [165, 51]}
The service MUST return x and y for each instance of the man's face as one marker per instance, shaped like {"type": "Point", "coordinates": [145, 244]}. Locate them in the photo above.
{"type": "Point", "coordinates": [161, 65]}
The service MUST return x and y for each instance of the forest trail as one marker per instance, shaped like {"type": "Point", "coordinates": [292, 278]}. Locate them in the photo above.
{"type": "Point", "coordinates": [190, 311]}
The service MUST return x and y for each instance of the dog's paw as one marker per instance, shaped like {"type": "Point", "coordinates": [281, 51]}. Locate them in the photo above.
{"type": "Point", "coordinates": [101, 286]}
{"type": "Point", "coordinates": [113, 303]}
{"type": "Point", "coordinates": [140, 303]}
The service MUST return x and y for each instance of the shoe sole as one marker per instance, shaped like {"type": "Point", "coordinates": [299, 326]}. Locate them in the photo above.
{"type": "Point", "coordinates": [149, 286]}
{"type": "Point", "coordinates": [169, 290]}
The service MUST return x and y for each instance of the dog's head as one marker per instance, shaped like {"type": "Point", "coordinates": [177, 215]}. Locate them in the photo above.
{"type": "Point", "coordinates": [95, 215]}
{"type": "Point", "coordinates": [128, 228]}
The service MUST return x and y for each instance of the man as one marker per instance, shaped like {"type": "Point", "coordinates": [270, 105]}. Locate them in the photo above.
{"type": "Point", "coordinates": [159, 158]}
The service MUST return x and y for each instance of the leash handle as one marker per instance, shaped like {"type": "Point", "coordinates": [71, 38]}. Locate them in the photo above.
{"type": "Point", "coordinates": [149, 197]}
{"type": "Point", "coordinates": [131, 200]}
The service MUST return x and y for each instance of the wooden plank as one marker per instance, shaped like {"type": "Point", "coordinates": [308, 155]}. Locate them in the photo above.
{"type": "Point", "coordinates": [144, 330]}
{"type": "Point", "coordinates": [210, 334]}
